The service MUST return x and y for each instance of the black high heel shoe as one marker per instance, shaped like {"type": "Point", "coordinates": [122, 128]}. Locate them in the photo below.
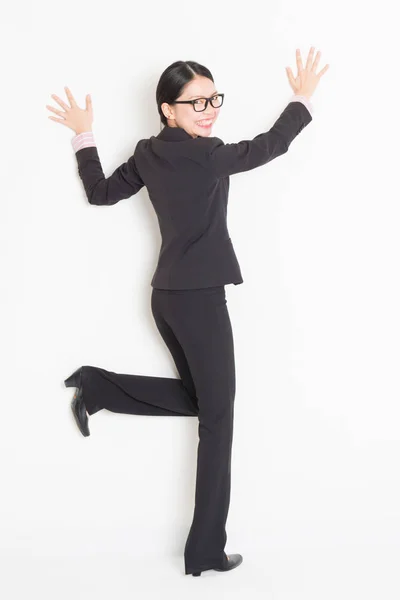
{"type": "Point", "coordinates": [78, 405]}
{"type": "Point", "coordinates": [234, 560]}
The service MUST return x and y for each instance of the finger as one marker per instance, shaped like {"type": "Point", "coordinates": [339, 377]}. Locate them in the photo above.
{"type": "Point", "coordinates": [326, 67]}
{"type": "Point", "coordinates": [299, 61]}
{"type": "Point", "coordinates": [60, 102]}
{"type": "Point", "coordinates": [316, 61]}
{"type": "Point", "coordinates": [70, 97]}
{"type": "Point", "coordinates": [58, 112]}
{"type": "Point", "coordinates": [63, 121]}
{"type": "Point", "coordinates": [89, 103]}
{"type": "Point", "coordinates": [310, 58]}
{"type": "Point", "coordinates": [290, 77]}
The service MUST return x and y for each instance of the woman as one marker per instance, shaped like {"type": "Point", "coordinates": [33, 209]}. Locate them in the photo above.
{"type": "Point", "coordinates": [186, 172]}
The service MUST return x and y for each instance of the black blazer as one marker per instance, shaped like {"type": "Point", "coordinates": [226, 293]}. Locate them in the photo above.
{"type": "Point", "coordinates": [187, 180]}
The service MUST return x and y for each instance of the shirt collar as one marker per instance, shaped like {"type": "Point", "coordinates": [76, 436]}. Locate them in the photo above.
{"type": "Point", "coordinates": [174, 134]}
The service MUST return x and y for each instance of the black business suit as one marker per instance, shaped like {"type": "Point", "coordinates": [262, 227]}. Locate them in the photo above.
{"type": "Point", "coordinates": [188, 182]}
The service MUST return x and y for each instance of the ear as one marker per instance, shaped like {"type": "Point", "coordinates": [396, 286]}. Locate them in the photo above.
{"type": "Point", "coordinates": [167, 111]}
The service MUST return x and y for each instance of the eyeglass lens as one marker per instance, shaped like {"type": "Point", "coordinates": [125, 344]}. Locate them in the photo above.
{"type": "Point", "coordinates": [200, 103]}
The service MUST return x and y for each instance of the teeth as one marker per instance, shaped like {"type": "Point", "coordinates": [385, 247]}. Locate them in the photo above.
{"type": "Point", "coordinates": [205, 122]}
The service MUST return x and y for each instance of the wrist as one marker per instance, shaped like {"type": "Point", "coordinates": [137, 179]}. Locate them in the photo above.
{"type": "Point", "coordinates": [83, 139]}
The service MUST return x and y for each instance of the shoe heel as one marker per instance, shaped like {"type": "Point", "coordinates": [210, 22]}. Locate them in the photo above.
{"type": "Point", "coordinates": [74, 380]}
{"type": "Point", "coordinates": [197, 574]}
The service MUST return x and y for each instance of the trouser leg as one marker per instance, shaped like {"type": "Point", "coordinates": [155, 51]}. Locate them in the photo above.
{"type": "Point", "coordinates": [142, 394]}
{"type": "Point", "coordinates": [201, 323]}
{"type": "Point", "coordinates": [135, 394]}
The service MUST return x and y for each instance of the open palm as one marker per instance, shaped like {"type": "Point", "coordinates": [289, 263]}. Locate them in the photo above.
{"type": "Point", "coordinates": [78, 119]}
{"type": "Point", "coordinates": [307, 78]}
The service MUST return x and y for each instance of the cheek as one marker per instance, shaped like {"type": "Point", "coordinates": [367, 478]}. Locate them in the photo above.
{"type": "Point", "coordinates": [185, 114]}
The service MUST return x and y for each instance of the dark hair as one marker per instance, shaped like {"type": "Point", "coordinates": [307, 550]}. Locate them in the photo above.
{"type": "Point", "coordinates": [174, 78]}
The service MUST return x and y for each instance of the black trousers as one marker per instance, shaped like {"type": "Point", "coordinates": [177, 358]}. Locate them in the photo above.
{"type": "Point", "coordinates": [196, 327]}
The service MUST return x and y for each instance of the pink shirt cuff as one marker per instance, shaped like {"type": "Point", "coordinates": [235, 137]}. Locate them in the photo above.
{"type": "Point", "coordinates": [306, 101]}
{"type": "Point", "coordinates": [83, 140]}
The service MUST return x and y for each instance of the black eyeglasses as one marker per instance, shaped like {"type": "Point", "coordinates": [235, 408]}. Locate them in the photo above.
{"type": "Point", "coordinates": [200, 104]}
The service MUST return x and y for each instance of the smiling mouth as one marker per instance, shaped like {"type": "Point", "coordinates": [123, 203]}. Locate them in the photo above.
{"type": "Point", "coordinates": [205, 123]}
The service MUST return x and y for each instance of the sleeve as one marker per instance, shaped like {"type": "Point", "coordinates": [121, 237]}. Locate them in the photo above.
{"type": "Point", "coordinates": [124, 182]}
{"type": "Point", "coordinates": [228, 159]}
{"type": "Point", "coordinates": [306, 101]}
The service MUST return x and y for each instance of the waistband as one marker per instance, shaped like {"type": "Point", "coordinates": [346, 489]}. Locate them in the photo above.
{"type": "Point", "coordinates": [206, 290]}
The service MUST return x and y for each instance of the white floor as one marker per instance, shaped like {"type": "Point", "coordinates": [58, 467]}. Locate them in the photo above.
{"type": "Point", "coordinates": [345, 573]}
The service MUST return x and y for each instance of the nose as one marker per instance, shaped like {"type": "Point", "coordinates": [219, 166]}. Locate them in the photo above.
{"type": "Point", "coordinates": [207, 114]}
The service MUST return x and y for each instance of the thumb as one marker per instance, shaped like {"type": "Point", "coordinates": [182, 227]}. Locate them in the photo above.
{"type": "Point", "coordinates": [89, 107]}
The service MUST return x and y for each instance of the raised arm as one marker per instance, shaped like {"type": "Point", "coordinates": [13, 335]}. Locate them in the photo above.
{"type": "Point", "coordinates": [123, 183]}
{"type": "Point", "coordinates": [227, 159]}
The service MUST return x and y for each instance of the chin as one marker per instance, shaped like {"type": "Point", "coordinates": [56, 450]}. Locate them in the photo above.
{"type": "Point", "coordinates": [203, 132]}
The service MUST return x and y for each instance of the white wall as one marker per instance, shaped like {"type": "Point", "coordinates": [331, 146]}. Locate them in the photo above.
{"type": "Point", "coordinates": [315, 474]}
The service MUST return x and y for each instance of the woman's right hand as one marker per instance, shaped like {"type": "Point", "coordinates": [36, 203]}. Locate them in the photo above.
{"type": "Point", "coordinates": [307, 79]}
{"type": "Point", "coordinates": [77, 119]}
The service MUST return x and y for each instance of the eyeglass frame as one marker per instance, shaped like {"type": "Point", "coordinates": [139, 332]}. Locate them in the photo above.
{"type": "Point", "coordinates": [201, 98]}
